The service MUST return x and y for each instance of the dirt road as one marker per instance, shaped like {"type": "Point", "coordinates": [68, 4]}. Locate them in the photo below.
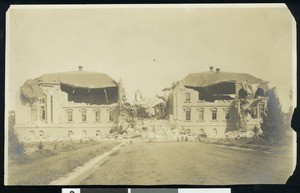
{"type": "Point", "coordinates": [144, 163]}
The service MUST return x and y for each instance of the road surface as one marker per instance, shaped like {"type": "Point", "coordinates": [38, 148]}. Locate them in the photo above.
{"type": "Point", "coordinates": [144, 163]}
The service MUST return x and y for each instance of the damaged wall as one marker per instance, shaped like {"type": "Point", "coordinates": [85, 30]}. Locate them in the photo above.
{"type": "Point", "coordinates": [216, 118]}
{"type": "Point", "coordinates": [47, 118]}
{"type": "Point", "coordinates": [222, 91]}
{"type": "Point", "coordinates": [92, 96]}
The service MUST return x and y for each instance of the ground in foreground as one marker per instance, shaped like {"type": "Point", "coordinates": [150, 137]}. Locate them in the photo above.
{"type": "Point", "coordinates": [194, 163]}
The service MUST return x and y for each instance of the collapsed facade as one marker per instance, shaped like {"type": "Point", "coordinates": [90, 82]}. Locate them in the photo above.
{"type": "Point", "coordinates": [80, 104]}
{"type": "Point", "coordinates": [218, 104]}
{"type": "Point", "coordinates": [67, 105]}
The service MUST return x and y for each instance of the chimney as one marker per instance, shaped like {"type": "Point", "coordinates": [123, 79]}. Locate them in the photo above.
{"type": "Point", "coordinates": [80, 68]}
{"type": "Point", "coordinates": [211, 68]}
{"type": "Point", "coordinates": [218, 69]}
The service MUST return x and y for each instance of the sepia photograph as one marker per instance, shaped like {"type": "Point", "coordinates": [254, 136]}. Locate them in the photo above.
{"type": "Point", "coordinates": [177, 94]}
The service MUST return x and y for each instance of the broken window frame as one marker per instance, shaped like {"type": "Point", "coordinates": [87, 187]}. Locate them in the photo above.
{"type": "Point", "coordinates": [227, 114]}
{"type": "Point", "coordinates": [187, 97]}
{"type": "Point", "coordinates": [111, 116]}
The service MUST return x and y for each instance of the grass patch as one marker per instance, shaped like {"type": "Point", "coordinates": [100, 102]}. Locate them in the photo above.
{"type": "Point", "coordinates": [51, 167]}
{"type": "Point", "coordinates": [40, 150]}
{"type": "Point", "coordinates": [250, 143]}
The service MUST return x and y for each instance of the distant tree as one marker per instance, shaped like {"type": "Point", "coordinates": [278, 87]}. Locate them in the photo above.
{"type": "Point", "coordinates": [273, 124]}
{"type": "Point", "coordinates": [288, 118]}
{"type": "Point", "coordinates": [11, 119]}
{"type": "Point", "coordinates": [289, 114]}
{"type": "Point", "coordinates": [15, 146]}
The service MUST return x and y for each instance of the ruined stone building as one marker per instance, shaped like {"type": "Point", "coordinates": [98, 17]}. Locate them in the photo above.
{"type": "Point", "coordinates": [81, 104]}
{"type": "Point", "coordinates": [66, 105]}
{"type": "Point", "coordinates": [218, 104]}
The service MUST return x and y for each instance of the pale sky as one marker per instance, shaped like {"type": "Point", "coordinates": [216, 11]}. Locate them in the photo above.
{"type": "Point", "coordinates": [150, 47]}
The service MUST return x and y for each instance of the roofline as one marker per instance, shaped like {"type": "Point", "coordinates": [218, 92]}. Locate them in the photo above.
{"type": "Point", "coordinates": [195, 73]}
{"type": "Point", "coordinates": [228, 81]}
{"type": "Point", "coordinates": [72, 85]}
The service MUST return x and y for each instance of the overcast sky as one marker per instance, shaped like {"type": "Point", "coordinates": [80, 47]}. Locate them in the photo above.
{"type": "Point", "coordinates": [149, 48]}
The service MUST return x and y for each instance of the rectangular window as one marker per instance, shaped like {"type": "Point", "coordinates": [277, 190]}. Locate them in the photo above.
{"type": "Point", "coordinates": [187, 97]}
{"type": "Point", "coordinates": [254, 112]}
{"type": "Point", "coordinates": [83, 116]}
{"type": "Point", "coordinates": [42, 113]}
{"type": "Point", "coordinates": [111, 115]}
{"type": "Point", "coordinates": [97, 115]}
{"type": "Point", "coordinates": [70, 116]}
{"type": "Point", "coordinates": [261, 108]}
{"type": "Point", "coordinates": [51, 102]}
{"type": "Point", "coordinates": [214, 114]}
{"type": "Point", "coordinates": [201, 115]}
{"type": "Point", "coordinates": [188, 115]}
{"type": "Point", "coordinates": [34, 113]}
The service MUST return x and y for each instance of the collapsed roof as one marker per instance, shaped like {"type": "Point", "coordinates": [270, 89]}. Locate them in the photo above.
{"type": "Point", "coordinates": [77, 79]}
{"type": "Point", "coordinates": [208, 78]}
{"type": "Point", "coordinates": [31, 90]}
{"type": "Point", "coordinates": [82, 79]}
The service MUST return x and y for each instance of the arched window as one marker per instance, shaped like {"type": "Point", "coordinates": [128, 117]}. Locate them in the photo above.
{"type": "Point", "coordinates": [215, 132]}
{"type": "Point", "coordinates": [259, 92]}
{"type": "Point", "coordinates": [70, 134]}
{"type": "Point", "coordinates": [32, 134]}
{"type": "Point", "coordinates": [243, 93]}
{"type": "Point", "coordinates": [201, 131]}
{"type": "Point", "coordinates": [98, 133]}
{"type": "Point", "coordinates": [84, 133]}
{"type": "Point", "coordinates": [41, 133]}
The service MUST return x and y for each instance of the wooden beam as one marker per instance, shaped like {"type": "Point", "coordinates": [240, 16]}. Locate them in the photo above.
{"type": "Point", "coordinates": [106, 96]}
